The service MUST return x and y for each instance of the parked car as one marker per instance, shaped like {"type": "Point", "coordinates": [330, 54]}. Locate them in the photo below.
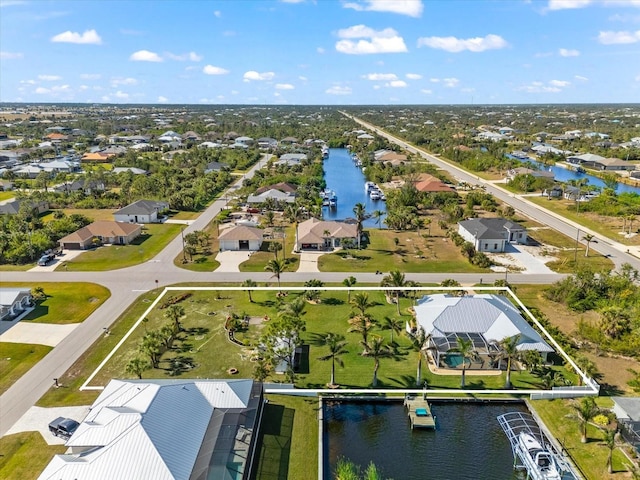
{"type": "Point", "coordinates": [63, 427]}
{"type": "Point", "coordinates": [46, 259]}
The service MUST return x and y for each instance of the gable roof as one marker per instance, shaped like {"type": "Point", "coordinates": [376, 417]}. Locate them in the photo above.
{"type": "Point", "coordinates": [101, 228]}
{"type": "Point", "coordinates": [142, 207]}
{"type": "Point", "coordinates": [282, 186]}
{"type": "Point", "coordinates": [433, 184]}
{"type": "Point", "coordinates": [489, 228]}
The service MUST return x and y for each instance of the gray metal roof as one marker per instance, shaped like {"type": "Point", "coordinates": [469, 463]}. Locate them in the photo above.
{"type": "Point", "coordinates": [631, 405]}
{"type": "Point", "coordinates": [489, 228]}
{"type": "Point", "coordinates": [142, 207]}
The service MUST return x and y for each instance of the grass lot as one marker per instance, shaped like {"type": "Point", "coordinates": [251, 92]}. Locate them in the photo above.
{"type": "Point", "coordinates": [24, 455]}
{"type": "Point", "coordinates": [153, 239]}
{"type": "Point", "coordinates": [16, 360]}
{"type": "Point", "coordinates": [606, 226]}
{"type": "Point", "coordinates": [203, 261]}
{"type": "Point", "coordinates": [66, 302]}
{"type": "Point", "coordinates": [414, 253]}
{"type": "Point", "coordinates": [258, 260]}
{"type": "Point", "coordinates": [184, 215]}
{"type": "Point", "coordinates": [16, 268]}
{"type": "Point", "coordinates": [288, 442]}
{"type": "Point", "coordinates": [94, 214]}
{"type": "Point", "coordinates": [6, 195]}
{"type": "Point", "coordinates": [203, 350]}
{"type": "Point", "coordinates": [592, 456]}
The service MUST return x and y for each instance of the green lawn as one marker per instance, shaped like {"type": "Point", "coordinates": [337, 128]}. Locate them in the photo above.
{"type": "Point", "coordinates": [258, 260]}
{"type": "Point", "coordinates": [16, 359]}
{"type": "Point", "coordinates": [24, 455]}
{"type": "Point", "coordinates": [413, 254]}
{"type": "Point", "coordinates": [65, 302]}
{"type": "Point", "coordinates": [6, 195]}
{"type": "Point", "coordinates": [288, 441]}
{"type": "Point", "coordinates": [153, 239]}
{"type": "Point", "coordinates": [592, 456]}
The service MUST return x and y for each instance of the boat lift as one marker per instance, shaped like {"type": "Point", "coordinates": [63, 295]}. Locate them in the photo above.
{"type": "Point", "coordinates": [514, 423]}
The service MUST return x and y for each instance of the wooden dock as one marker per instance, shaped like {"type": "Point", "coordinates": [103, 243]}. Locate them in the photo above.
{"type": "Point", "coordinates": [419, 412]}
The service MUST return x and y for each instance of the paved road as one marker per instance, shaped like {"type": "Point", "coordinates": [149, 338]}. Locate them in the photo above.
{"type": "Point", "coordinates": [617, 252]}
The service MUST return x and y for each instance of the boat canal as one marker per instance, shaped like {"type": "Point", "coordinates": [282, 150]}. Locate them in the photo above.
{"type": "Point", "coordinates": [343, 177]}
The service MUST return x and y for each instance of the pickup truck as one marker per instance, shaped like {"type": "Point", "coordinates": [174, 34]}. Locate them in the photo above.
{"type": "Point", "coordinates": [63, 427]}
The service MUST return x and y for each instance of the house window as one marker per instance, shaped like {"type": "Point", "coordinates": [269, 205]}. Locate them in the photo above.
{"type": "Point", "coordinates": [486, 245]}
{"type": "Point", "coordinates": [495, 246]}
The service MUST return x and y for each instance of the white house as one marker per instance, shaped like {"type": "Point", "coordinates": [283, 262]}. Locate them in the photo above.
{"type": "Point", "coordinates": [241, 237]}
{"type": "Point", "coordinates": [165, 430]}
{"type": "Point", "coordinates": [491, 234]}
{"type": "Point", "coordinates": [142, 211]}
{"type": "Point", "coordinates": [14, 301]}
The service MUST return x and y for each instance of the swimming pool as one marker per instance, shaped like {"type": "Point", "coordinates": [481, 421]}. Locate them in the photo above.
{"type": "Point", "coordinates": [453, 360]}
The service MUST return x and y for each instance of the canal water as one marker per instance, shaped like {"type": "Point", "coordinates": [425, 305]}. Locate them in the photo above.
{"type": "Point", "coordinates": [343, 177]}
{"type": "Point", "coordinates": [564, 175]}
{"type": "Point", "coordinates": [468, 443]}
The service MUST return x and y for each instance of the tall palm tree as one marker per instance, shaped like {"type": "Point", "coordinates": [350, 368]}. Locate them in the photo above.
{"type": "Point", "coordinates": [336, 344]}
{"type": "Point", "coordinates": [362, 324]}
{"type": "Point", "coordinates": [609, 441]}
{"type": "Point", "coordinates": [276, 267]}
{"type": "Point", "coordinates": [376, 349]}
{"type": "Point", "coordinates": [419, 342]}
{"type": "Point", "coordinates": [467, 352]}
{"type": "Point", "coordinates": [377, 215]}
{"type": "Point", "coordinates": [360, 302]}
{"type": "Point", "coordinates": [395, 279]}
{"type": "Point", "coordinates": [326, 234]}
{"type": "Point", "coordinates": [508, 352]}
{"type": "Point", "coordinates": [393, 324]}
{"type": "Point", "coordinates": [588, 238]}
{"type": "Point", "coordinates": [360, 213]}
{"type": "Point", "coordinates": [293, 213]}
{"type": "Point", "coordinates": [585, 410]}
{"type": "Point", "coordinates": [294, 309]}
{"type": "Point", "coordinates": [249, 284]}
{"type": "Point", "coordinates": [349, 282]}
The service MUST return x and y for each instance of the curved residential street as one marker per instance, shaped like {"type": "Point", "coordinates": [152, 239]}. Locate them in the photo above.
{"type": "Point", "coordinates": [128, 283]}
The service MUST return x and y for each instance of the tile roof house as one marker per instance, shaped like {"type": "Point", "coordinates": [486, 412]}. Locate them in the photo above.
{"type": "Point", "coordinates": [241, 238]}
{"type": "Point", "coordinates": [432, 184]}
{"type": "Point", "coordinates": [165, 430]}
{"type": "Point", "coordinates": [102, 231]}
{"type": "Point", "coordinates": [314, 234]}
{"type": "Point", "coordinates": [491, 234]}
{"type": "Point", "coordinates": [485, 319]}
{"type": "Point", "coordinates": [142, 211]}
{"type": "Point", "coordinates": [284, 187]}
{"type": "Point", "coordinates": [277, 196]}
{"type": "Point", "coordinates": [13, 301]}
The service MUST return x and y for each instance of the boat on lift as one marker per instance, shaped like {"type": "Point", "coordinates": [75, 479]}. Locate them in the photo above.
{"type": "Point", "coordinates": [537, 458]}
{"type": "Point", "coordinates": [374, 194]}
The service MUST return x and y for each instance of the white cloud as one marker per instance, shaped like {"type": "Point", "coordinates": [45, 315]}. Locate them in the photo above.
{"type": "Point", "coordinates": [162, 99]}
{"type": "Point", "coordinates": [49, 78]}
{"type": "Point", "coordinates": [426, 91]}
{"type": "Point", "coordinates": [396, 84]}
{"type": "Point", "coordinates": [543, 54]}
{"type": "Point", "coordinates": [28, 82]}
{"type": "Point", "coordinates": [434, 80]}
{"type": "Point", "coordinates": [253, 75]}
{"type": "Point", "coordinates": [301, 78]}
{"type": "Point", "coordinates": [89, 37]}
{"type": "Point", "coordinates": [615, 38]}
{"type": "Point", "coordinates": [371, 41]}
{"type": "Point", "coordinates": [42, 91]}
{"type": "Point", "coordinates": [563, 52]}
{"type": "Point", "coordinates": [145, 56]}
{"type": "Point", "coordinates": [121, 95]}
{"type": "Point", "coordinates": [284, 86]}
{"type": "Point", "coordinates": [455, 45]}
{"type": "Point", "coordinates": [624, 18]}
{"type": "Point", "coordinates": [10, 55]}
{"type": "Point", "coordinates": [554, 86]}
{"type": "Point", "coordinates": [338, 90]}
{"type": "Point", "coordinates": [567, 4]}
{"type": "Point", "coordinates": [412, 8]}
{"type": "Point", "coordinates": [11, 3]}
{"type": "Point", "coordinates": [559, 83]}
{"type": "Point", "coordinates": [413, 76]}
{"type": "Point", "coordinates": [117, 81]}
{"type": "Point", "coordinates": [320, 50]}
{"type": "Point", "coordinates": [191, 56]}
{"type": "Point", "coordinates": [450, 82]}
{"type": "Point", "coordinates": [90, 76]}
{"type": "Point", "coordinates": [581, 78]}
{"type": "Point", "coordinates": [84, 87]}
{"type": "Point", "coordinates": [213, 70]}
{"type": "Point", "coordinates": [217, 14]}
{"type": "Point", "coordinates": [637, 79]}
{"type": "Point", "coordinates": [380, 77]}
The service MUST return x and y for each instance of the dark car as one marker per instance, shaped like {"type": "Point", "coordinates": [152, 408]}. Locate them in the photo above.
{"type": "Point", "coordinates": [46, 259]}
{"type": "Point", "coordinates": [63, 427]}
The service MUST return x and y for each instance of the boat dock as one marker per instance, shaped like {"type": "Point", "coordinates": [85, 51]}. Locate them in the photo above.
{"type": "Point", "coordinates": [419, 412]}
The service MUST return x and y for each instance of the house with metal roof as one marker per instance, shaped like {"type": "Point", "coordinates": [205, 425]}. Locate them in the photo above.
{"type": "Point", "coordinates": [142, 211]}
{"type": "Point", "coordinates": [627, 410]}
{"type": "Point", "coordinates": [291, 159]}
{"type": "Point", "coordinates": [491, 234]}
{"type": "Point", "coordinates": [165, 430]}
{"type": "Point", "coordinates": [485, 319]}
{"type": "Point", "coordinates": [14, 301]}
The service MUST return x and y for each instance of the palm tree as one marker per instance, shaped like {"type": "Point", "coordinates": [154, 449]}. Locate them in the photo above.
{"type": "Point", "coordinates": [588, 238]}
{"type": "Point", "coordinates": [336, 344]}
{"type": "Point", "coordinates": [509, 351]}
{"type": "Point", "coordinates": [326, 234]}
{"type": "Point", "coordinates": [294, 309]}
{"type": "Point", "coordinates": [137, 366]}
{"type": "Point", "coordinates": [276, 267]}
{"type": "Point", "coordinates": [362, 324]}
{"type": "Point", "coordinates": [293, 213]}
{"type": "Point", "coordinates": [249, 284]}
{"type": "Point", "coordinates": [395, 279]}
{"type": "Point", "coordinates": [393, 324]}
{"type": "Point", "coordinates": [261, 370]}
{"type": "Point", "coordinates": [349, 282]}
{"type": "Point", "coordinates": [174, 313]}
{"type": "Point", "coordinates": [587, 366]}
{"type": "Point", "coordinates": [360, 214]}
{"type": "Point", "coordinates": [360, 302]}
{"type": "Point", "coordinates": [419, 340]}
{"type": "Point", "coordinates": [609, 441]}
{"type": "Point", "coordinates": [376, 349]}
{"type": "Point", "coordinates": [585, 411]}
{"type": "Point", "coordinates": [377, 215]}
{"type": "Point", "coordinates": [467, 352]}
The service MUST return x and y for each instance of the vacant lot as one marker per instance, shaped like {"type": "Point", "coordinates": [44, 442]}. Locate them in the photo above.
{"type": "Point", "coordinates": [16, 360]}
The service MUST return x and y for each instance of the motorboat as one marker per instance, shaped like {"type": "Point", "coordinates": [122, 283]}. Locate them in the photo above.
{"type": "Point", "coordinates": [374, 194]}
{"type": "Point", "coordinates": [383, 197]}
{"type": "Point", "coordinates": [325, 151]}
{"type": "Point", "coordinates": [537, 458]}
{"type": "Point", "coordinates": [368, 186]}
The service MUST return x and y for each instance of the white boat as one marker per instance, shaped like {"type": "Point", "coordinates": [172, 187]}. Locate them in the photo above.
{"type": "Point", "coordinates": [325, 151]}
{"type": "Point", "coordinates": [368, 186]}
{"type": "Point", "coordinates": [383, 197]}
{"type": "Point", "coordinates": [374, 195]}
{"type": "Point", "coordinates": [537, 458]}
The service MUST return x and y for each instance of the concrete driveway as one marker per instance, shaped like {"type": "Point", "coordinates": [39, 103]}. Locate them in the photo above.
{"type": "Point", "coordinates": [230, 260]}
{"type": "Point", "coordinates": [37, 419]}
{"type": "Point", "coordinates": [65, 257]}
{"type": "Point", "coordinates": [38, 333]}
{"type": "Point", "coordinates": [309, 262]}
{"type": "Point", "coordinates": [523, 259]}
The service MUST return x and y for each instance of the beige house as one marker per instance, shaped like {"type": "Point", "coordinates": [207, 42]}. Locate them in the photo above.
{"type": "Point", "coordinates": [241, 238]}
{"type": "Point", "coordinates": [314, 234]}
{"type": "Point", "coordinates": [101, 232]}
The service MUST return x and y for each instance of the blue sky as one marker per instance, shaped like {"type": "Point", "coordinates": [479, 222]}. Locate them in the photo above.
{"type": "Point", "coordinates": [320, 51]}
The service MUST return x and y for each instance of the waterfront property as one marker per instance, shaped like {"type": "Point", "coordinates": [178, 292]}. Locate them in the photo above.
{"type": "Point", "coordinates": [165, 429]}
{"type": "Point", "coordinates": [483, 319]}
{"type": "Point", "coordinates": [419, 412]}
{"type": "Point", "coordinates": [314, 234]}
{"type": "Point", "coordinates": [492, 234]}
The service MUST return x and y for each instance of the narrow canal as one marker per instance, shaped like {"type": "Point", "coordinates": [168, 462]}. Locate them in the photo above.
{"type": "Point", "coordinates": [468, 443]}
{"type": "Point", "coordinates": [347, 181]}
